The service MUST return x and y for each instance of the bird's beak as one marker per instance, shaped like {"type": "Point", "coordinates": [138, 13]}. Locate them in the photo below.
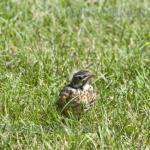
{"type": "Point", "coordinates": [89, 77]}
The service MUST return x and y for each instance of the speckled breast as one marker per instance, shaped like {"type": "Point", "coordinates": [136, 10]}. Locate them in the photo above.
{"type": "Point", "coordinates": [76, 99]}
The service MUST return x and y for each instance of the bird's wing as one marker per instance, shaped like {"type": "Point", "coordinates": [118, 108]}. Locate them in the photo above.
{"type": "Point", "coordinates": [66, 97]}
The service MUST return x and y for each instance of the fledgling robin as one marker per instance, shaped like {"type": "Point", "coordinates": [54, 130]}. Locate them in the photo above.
{"type": "Point", "coordinates": [78, 96]}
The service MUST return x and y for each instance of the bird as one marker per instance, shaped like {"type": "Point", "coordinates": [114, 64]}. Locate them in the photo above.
{"type": "Point", "coordinates": [78, 96]}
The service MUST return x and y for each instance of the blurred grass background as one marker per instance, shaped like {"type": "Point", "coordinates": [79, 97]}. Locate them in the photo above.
{"type": "Point", "coordinates": [43, 41]}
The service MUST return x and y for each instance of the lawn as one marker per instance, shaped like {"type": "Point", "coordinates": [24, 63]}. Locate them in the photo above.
{"type": "Point", "coordinates": [43, 41]}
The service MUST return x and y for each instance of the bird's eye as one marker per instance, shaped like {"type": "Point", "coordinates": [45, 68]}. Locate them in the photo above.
{"type": "Point", "coordinates": [80, 78]}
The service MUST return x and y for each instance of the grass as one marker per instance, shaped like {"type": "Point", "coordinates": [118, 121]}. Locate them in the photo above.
{"type": "Point", "coordinates": [41, 42]}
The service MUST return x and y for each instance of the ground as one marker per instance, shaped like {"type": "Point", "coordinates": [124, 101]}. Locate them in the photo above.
{"type": "Point", "coordinates": [42, 42]}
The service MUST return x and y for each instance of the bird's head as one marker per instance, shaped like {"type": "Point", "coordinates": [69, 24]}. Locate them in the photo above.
{"type": "Point", "coordinates": [80, 78]}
